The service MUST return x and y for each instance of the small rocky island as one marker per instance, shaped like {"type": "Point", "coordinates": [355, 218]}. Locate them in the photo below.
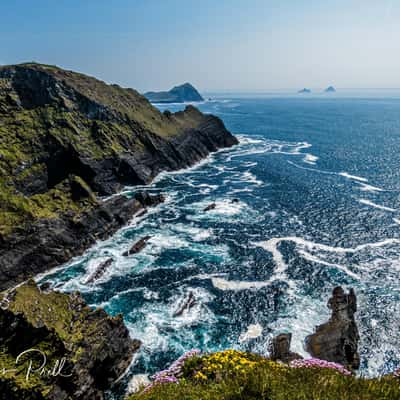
{"type": "Point", "coordinates": [330, 89]}
{"type": "Point", "coordinates": [304, 91]}
{"type": "Point", "coordinates": [178, 94]}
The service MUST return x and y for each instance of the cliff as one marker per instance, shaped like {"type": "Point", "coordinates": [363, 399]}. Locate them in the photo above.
{"type": "Point", "coordinates": [67, 139]}
{"type": "Point", "coordinates": [178, 94]}
{"type": "Point", "coordinates": [76, 353]}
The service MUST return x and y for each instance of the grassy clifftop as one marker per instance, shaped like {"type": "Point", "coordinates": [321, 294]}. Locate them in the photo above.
{"type": "Point", "coordinates": [235, 375]}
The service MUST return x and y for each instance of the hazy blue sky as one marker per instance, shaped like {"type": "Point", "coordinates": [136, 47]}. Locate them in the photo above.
{"type": "Point", "coordinates": [215, 44]}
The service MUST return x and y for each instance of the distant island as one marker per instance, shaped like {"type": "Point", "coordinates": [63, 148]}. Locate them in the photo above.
{"type": "Point", "coordinates": [305, 90]}
{"type": "Point", "coordinates": [330, 89]}
{"type": "Point", "coordinates": [178, 94]}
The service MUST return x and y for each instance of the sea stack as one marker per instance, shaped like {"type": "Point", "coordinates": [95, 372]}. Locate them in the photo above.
{"type": "Point", "coordinates": [337, 340]}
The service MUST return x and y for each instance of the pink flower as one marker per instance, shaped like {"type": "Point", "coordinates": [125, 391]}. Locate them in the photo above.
{"type": "Point", "coordinates": [317, 363]}
{"type": "Point", "coordinates": [171, 374]}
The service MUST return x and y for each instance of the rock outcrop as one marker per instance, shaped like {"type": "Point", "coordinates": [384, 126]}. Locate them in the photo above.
{"type": "Point", "coordinates": [137, 246]}
{"type": "Point", "coordinates": [178, 94]}
{"type": "Point", "coordinates": [67, 139]}
{"type": "Point", "coordinates": [279, 349]}
{"type": "Point", "coordinates": [337, 339]}
{"type": "Point", "coordinates": [86, 350]}
{"type": "Point", "coordinates": [100, 271]}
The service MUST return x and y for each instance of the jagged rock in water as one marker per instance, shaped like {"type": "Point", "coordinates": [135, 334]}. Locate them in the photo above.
{"type": "Point", "coordinates": [279, 349]}
{"type": "Point", "coordinates": [337, 340]}
{"type": "Point", "coordinates": [95, 347]}
{"type": "Point", "coordinates": [100, 271]}
{"type": "Point", "coordinates": [137, 246]}
{"type": "Point", "coordinates": [210, 207]}
{"type": "Point", "coordinates": [189, 302]}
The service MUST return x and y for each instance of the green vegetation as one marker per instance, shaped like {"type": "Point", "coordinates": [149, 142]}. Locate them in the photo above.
{"type": "Point", "coordinates": [60, 326]}
{"type": "Point", "coordinates": [44, 111]}
{"type": "Point", "coordinates": [233, 375]}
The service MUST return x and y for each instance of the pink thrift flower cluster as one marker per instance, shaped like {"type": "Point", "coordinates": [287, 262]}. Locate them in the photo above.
{"type": "Point", "coordinates": [397, 373]}
{"type": "Point", "coordinates": [171, 374]}
{"type": "Point", "coordinates": [317, 363]}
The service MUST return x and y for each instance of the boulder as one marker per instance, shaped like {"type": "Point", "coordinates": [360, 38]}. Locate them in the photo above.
{"type": "Point", "coordinates": [210, 207]}
{"type": "Point", "coordinates": [279, 349]}
{"type": "Point", "coordinates": [137, 246]}
{"type": "Point", "coordinates": [99, 272]}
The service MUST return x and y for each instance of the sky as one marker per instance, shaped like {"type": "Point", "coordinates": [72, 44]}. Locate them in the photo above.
{"type": "Point", "coordinates": [217, 45]}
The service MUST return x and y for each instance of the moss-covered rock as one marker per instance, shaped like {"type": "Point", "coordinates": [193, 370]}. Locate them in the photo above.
{"type": "Point", "coordinates": [86, 350]}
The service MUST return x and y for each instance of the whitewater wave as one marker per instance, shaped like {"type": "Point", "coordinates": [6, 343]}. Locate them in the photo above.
{"type": "Point", "coordinates": [224, 284]}
{"type": "Point", "coordinates": [354, 177]}
{"type": "Point", "coordinates": [374, 205]}
{"type": "Point", "coordinates": [253, 331]}
{"type": "Point", "coordinates": [306, 248]}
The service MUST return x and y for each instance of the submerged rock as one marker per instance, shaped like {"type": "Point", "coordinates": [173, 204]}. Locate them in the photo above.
{"type": "Point", "coordinates": [137, 246]}
{"type": "Point", "coordinates": [100, 271]}
{"type": "Point", "coordinates": [337, 340]}
{"type": "Point", "coordinates": [189, 302]}
{"type": "Point", "coordinates": [210, 207]}
{"type": "Point", "coordinates": [279, 349]}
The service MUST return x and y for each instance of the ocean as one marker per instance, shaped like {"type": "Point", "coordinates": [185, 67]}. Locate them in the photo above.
{"type": "Point", "coordinates": [307, 201]}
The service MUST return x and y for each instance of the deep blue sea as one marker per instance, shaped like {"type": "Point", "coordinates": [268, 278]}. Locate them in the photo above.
{"type": "Point", "coordinates": [317, 184]}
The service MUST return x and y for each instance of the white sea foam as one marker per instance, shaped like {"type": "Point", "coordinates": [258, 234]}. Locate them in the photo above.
{"type": "Point", "coordinates": [369, 188]}
{"type": "Point", "coordinates": [378, 206]}
{"type": "Point", "coordinates": [310, 159]}
{"type": "Point", "coordinates": [224, 284]}
{"type": "Point", "coordinates": [249, 177]}
{"type": "Point", "coordinates": [137, 382]}
{"type": "Point", "coordinates": [354, 177]}
{"type": "Point", "coordinates": [271, 245]}
{"type": "Point", "coordinates": [253, 331]}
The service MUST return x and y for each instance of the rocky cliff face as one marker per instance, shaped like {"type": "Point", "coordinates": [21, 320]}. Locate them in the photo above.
{"type": "Point", "coordinates": [65, 140]}
{"type": "Point", "coordinates": [86, 350]}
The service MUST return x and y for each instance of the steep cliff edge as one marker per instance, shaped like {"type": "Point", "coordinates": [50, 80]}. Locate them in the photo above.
{"type": "Point", "coordinates": [65, 140]}
{"type": "Point", "coordinates": [76, 353]}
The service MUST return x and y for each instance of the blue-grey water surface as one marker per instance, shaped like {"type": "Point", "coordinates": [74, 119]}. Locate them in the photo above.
{"type": "Point", "coordinates": [316, 182]}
